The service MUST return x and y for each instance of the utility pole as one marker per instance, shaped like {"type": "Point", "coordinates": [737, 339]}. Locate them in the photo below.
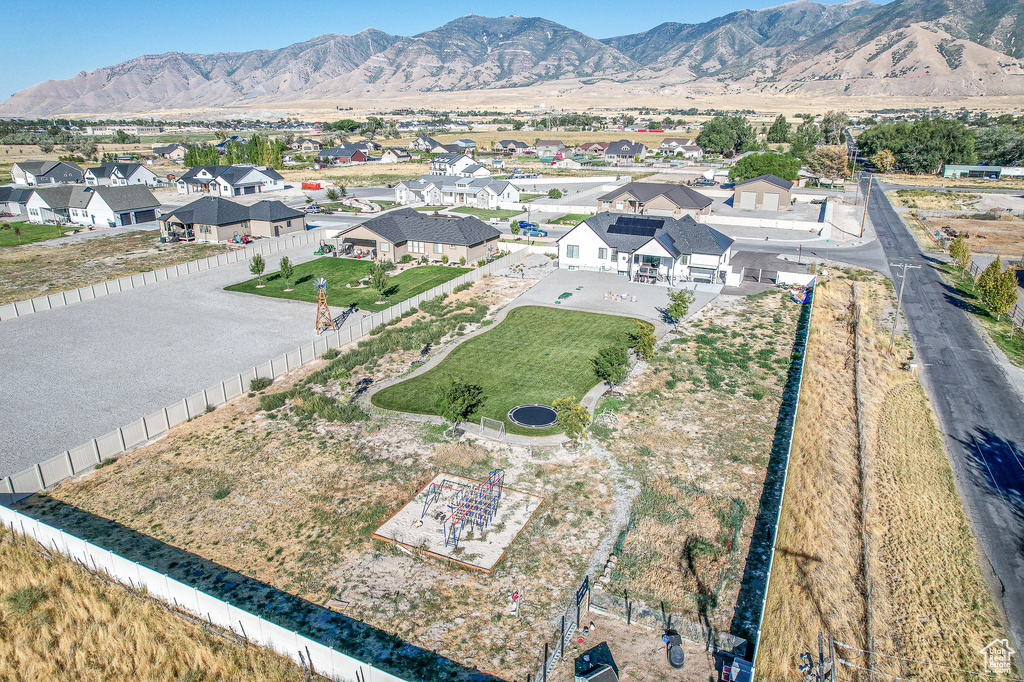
{"type": "Point", "coordinates": [867, 201]}
{"type": "Point", "coordinates": [899, 301]}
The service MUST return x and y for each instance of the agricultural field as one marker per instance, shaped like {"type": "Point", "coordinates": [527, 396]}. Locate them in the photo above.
{"type": "Point", "coordinates": [866, 442]}
{"type": "Point", "coordinates": [42, 268]}
{"type": "Point", "coordinates": [694, 433]}
{"type": "Point", "coordinates": [551, 349]}
{"type": "Point", "coordinates": [345, 289]}
{"type": "Point", "coordinates": [287, 486]}
{"type": "Point", "coordinates": [61, 622]}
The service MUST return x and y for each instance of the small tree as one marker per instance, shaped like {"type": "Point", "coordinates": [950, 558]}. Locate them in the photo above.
{"type": "Point", "coordinates": [514, 227]}
{"type": "Point", "coordinates": [332, 194]}
{"type": "Point", "coordinates": [555, 193]}
{"type": "Point", "coordinates": [779, 132]}
{"type": "Point", "coordinates": [256, 266]}
{"type": "Point", "coordinates": [1002, 294]}
{"type": "Point", "coordinates": [612, 364]}
{"type": "Point", "coordinates": [17, 232]}
{"type": "Point", "coordinates": [988, 277]}
{"type": "Point", "coordinates": [572, 418]}
{"type": "Point", "coordinates": [287, 270]}
{"type": "Point", "coordinates": [642, 339]}
{"type": "Point", "coordinates": [679, 302]}
{"type": "Point", "coordinates": [342, 192]}
{"type": "Point", "coordinates": [960, 252]}
{"type": "Point", "coordinates": [884, 160]}
{"type": "Point", "coordinates": [380, 282]}
{"type": "Point", "coordinates": [455, 400]}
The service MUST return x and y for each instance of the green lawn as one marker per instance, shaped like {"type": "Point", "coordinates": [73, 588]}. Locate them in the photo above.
{"type": "Point", "coordinates": [339, 206]}
{"type": "Point", "coordinates": [384, 203]}
{"type": "Point", "coordinates": [526, 197]}
{"type": "Point", "coordinates": [1006, 335]}
{"type": "Point", "coordinates": [535, 355]}
{"type": "Point", "coordinates": [570, 219]}
{"type": "Point", "coordinates": [429, 209]}
{"type": "Point", "coordinates": [31, 232]}
{"type": "Point", "coordinates": [341, 271]}
{"type": "Point", "coordinates": [486, 213]}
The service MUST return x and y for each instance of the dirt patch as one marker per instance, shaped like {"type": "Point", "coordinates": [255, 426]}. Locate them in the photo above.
{"type": "Point", "coordinates": [44, 268]}
{"type": "Point", "coordinates": [1003, 235]}
{"type": "Point", "coordinates": [928, 199]}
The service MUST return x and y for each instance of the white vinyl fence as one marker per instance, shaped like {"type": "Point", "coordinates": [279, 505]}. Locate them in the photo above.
{"type": "Point", "coordinates": [87, 455]}
{"type": "Point", "coordinates": [60, 299]}
{"type": "Point", "coordinates": [307, 652]}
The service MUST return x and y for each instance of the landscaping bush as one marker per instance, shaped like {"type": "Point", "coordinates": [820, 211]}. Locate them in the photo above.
{"type": "Point", "coordinates": [260, 383]}
{"type": "Point", "coordinates": [330, 354]}
{"type": "Point", "coordinates": [272, 401]}
{"type": "Point", "coordinates": [405, 259]}
{"type": "Point", "coordinates": [221, 492]}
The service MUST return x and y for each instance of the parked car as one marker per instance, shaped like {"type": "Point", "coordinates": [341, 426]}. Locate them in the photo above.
{"type": "Point", "coordinates": [525, 224]}
{"type": "Point", "coordinates": [535, 232]}
{"type": "Point", "coordinates": [314, 208]}
{"type": "Point", "coordinates": [703, 182]}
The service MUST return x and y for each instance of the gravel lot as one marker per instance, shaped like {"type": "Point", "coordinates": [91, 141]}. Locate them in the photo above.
{"type": "Point", "coordinates": [75, 373]}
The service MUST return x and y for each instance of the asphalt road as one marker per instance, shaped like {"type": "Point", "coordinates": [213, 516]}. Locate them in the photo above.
{"type": "Point", "coordinates": [978, 409]}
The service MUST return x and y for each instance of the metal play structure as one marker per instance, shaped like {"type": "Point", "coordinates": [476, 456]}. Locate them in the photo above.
{"type": "Point", "coordinates": [323, 313]}
{"type": "Point", "coordinates": [467, 505]}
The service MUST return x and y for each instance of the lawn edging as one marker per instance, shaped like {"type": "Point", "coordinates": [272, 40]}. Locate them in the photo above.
{"type": "Point", "coordinates": [85, 457]}
{"type": "Point", "coordinates": [10, 311]}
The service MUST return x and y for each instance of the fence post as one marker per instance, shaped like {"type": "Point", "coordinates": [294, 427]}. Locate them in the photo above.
{"type": "Point", "coordinates": [96, 450]}
{"type": "Point", "coordinates": [561, 639]}
{"type": "Point", "coordinates": [544, 665]}
{"type": "Point", "coordinates": [39, 476]}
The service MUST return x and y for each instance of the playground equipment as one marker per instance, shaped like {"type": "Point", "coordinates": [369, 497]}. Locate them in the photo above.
{"type": "Point", "coordinates": [323, 312]}
{"type": "Point", "coordinates": [469, 505]}
{"type": "Point", "coordinates": [324, 249]}
{"type": "Point", "coordinates": [241, 239]}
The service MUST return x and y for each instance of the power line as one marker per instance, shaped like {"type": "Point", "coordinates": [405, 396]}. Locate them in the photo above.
{"type": "Point", "coordinates": [914, 660]}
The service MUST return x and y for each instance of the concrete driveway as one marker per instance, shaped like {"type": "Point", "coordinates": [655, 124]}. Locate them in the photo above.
{"type": "Point", "coordinates": [81, 371]}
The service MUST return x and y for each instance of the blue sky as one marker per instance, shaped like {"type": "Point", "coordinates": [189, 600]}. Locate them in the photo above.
{"type": "Point", "coordinates": [57, 39]}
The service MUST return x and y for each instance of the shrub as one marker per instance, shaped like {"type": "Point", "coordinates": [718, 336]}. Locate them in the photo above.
{"type": "Point", "coordinates": [444, 259]}
{"type": "Point", "coordinates": [612, 364]}
{"type": "Point", "coordinates": [330, 354]}
{"type": "Point", "coordinates": [25, 599]}
{"type": "Point", "coordinates": [462, 260]}
{"type": "Point", "coordinates": [272, 401]}
{"type": "Point", "coordinates": [221, 492]}
{"type": "Point", "coordinates": [106, 462]}
{"type": "Point", "coordinates": [405, 259]}
{"type": "Point", "coordinates": [260, 383]}
{"type": "Point", "coordinates": [209, 408]}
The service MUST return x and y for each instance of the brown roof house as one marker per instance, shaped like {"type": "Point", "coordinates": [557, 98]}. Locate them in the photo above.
{"type": "Point", "coordinates": [766, 192]}
{"type": "Point", "coordinates": [405, 231]}
{"type": "Point", "coordinates": [655, 198]}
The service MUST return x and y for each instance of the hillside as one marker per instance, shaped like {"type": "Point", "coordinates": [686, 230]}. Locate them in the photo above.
{"type": "Point", "coordinates": [908, 48]}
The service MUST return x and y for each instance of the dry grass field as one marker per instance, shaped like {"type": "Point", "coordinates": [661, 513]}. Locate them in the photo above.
{"type": "Point", "coordinates": [984, 236]}
{"type": "Point", "coordinates": [46, 267]}
{"type": "Point", "coordinates": [60, 622]}
{"type": "Point", "coordinates": [926, 199]}
{"type": "Point", "coordinates": [872, 533]}
{"type": "Point", "coordinates": [958, 183]}
{"type": "Point", "coordinates": [689, 536]}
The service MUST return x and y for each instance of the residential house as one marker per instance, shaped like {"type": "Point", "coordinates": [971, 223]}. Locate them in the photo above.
{"type": "Point", "coordinates": [448, 190]}
{"type": "Point", "coordinates": [214, 219]}
{"type": "Point", "coordinates": [655, 198]}
{"type": "Point", "coordinates": [14, 200]}
{"type": "Point", "coordinates": [345, 153]}
{"type": "Point", "coordinates": [229, 181]}
{"type": "Point", "coordinates": [515, 147]}
{"type": "Point", "coordinates": [46, 173]}
{"type": "Point", "coordinates": [120, 174]}
{"type": "Point", "coordinates": [447, 149]}
{"type": "Point", "coordinates": [660, 250]}
{"type": "Point", "coordinates": [368, 146]}
{"type": "Point", "coordinates": [174, 152]}
{"type": "Point", "coordinates": [405, 231]}
{"type": "Point", "coordinates": [457, 164]}
{"type": "Point", "coordinates": [306, 146]}
{"type": "Point", "coordinates": [395, 155]}
{"type": "Point", "coordinates": [681, 146]}
{"type": "Point", "coordinates": [767, 192]}
{"type": "Point", "coordinates": [423, 144]}
{"type": "Point", "coordinates": [465, 143]}
{"type": "Point", "coordinates": [596, 148]}
{"type": "Point", "coordinates": [577, 161]}
{"type": "Point", "coordinates": [549, 147]}
{"type": "Point", "coordinates": [106, 206]}
{"type": "Point", "coordinates": [625, 153]}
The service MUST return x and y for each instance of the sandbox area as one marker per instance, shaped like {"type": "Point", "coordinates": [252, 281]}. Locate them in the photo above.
{"type": "Point", "coordinates": [463, 520]}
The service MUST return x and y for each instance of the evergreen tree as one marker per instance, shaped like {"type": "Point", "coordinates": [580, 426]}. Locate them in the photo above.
{"type": "Point", "coordinates": [779, 132]}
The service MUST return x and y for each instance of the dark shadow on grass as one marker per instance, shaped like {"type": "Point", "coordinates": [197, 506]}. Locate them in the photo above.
{"type": "Point", "coordinates": [755, 574]}
{"type": "Point", "coordinates": [352, 637]}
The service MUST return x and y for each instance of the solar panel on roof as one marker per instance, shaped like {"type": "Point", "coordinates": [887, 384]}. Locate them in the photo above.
{"type": "Point", "coordinates": [638, 226]}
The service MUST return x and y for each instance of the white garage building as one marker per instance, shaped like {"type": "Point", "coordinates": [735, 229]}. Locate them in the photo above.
{"type": "Point", "coordinates": [658, 250]}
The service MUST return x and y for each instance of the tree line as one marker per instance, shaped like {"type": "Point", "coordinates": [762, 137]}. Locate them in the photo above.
{"type": "Point", "coordinates": [260, 150]}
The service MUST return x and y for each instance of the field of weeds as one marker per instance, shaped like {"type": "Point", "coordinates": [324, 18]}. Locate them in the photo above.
{"type": "Point", "coordinates": [695, 431]}
{"type": "Point", "coordinates": [932, 199]}
{"type": "Point", "coordinates": [44, 268]}
{"type": "Point", "coordinates": [285, 488]}
{"type": "Point", "coordinates": [60, 622]}
{"type": "Point", "coordinates": [872, 534]}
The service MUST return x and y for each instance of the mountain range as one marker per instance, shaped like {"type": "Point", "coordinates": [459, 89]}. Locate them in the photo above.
{"type": "Point", "coordinates": [911, 48]}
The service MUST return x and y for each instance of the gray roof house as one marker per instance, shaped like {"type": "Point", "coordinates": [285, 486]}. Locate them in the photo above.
{"type": "Point", "coordinates": [405, 231]}
{"type": "Point", "coordinates": [659, 250]}
{"type": "Point", "coordinates": [14, 199]}
{"type": "Point", "coordinates": [655, 198]}
{"type": "Point", "coordinates": [625, 152]}
{"type": "Point", "coordinates": [120, 174]}
{"type": "Point", "coordinates": [450, 190]}
{"type": "Point", "coordinates": [229, 180]}
{"type": "Point", "coordinates": [215, 219]}
{"type": "Point", "coordinates": [46, 173]}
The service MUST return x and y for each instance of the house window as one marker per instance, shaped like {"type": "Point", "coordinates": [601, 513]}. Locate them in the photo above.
{"type": "Point", "coordinates": [417, 247]}
{"type": "Point", "coordinates": [289, 224]}
{"type": "Point", "coordinates": [602, 254]}
{"type": "Point", "coordinates": [438, 248]}
{"type": "Point", "coordinates": [615, 255]}
{"type": "Point", "coordinates": [618, 204]}
{"type": "Point", "coordinates": [245, 225]}
{"type": "Point", "coordinates": [452, 246]}
{"type": "Point", "coordinates": [684, 259]}
{"type": "Point", "coordinates": [572, 251]}
{"type": "Point", "coordinates": [33, 211]}
{"type": "Point", "coordinates": [384, 246]}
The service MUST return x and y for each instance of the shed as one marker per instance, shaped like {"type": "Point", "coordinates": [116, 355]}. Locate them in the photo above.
{"type": "Point", "coordinates": [767, 192]}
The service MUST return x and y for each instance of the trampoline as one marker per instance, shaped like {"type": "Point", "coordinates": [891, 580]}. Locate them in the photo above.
{"type": "Point", "coordinates": [533, 416]}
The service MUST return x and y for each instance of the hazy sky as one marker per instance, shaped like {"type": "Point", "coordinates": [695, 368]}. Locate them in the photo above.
{"type": "Point", "coordinates": [57, 39]}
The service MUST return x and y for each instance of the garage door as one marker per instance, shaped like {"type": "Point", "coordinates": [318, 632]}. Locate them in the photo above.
{"type": "Point", "coordinates": [771, 201]}
{"type": "Point", "coordinates": [145, 216]}
{"type": "Point", "coordinates": [748, 200]}
{"type": "Point", "coordinates": [125, 218]}
{"type": "Point", "coordinates": [702, 275]}
{"type": "Point", "coordinates": [251, 189]}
